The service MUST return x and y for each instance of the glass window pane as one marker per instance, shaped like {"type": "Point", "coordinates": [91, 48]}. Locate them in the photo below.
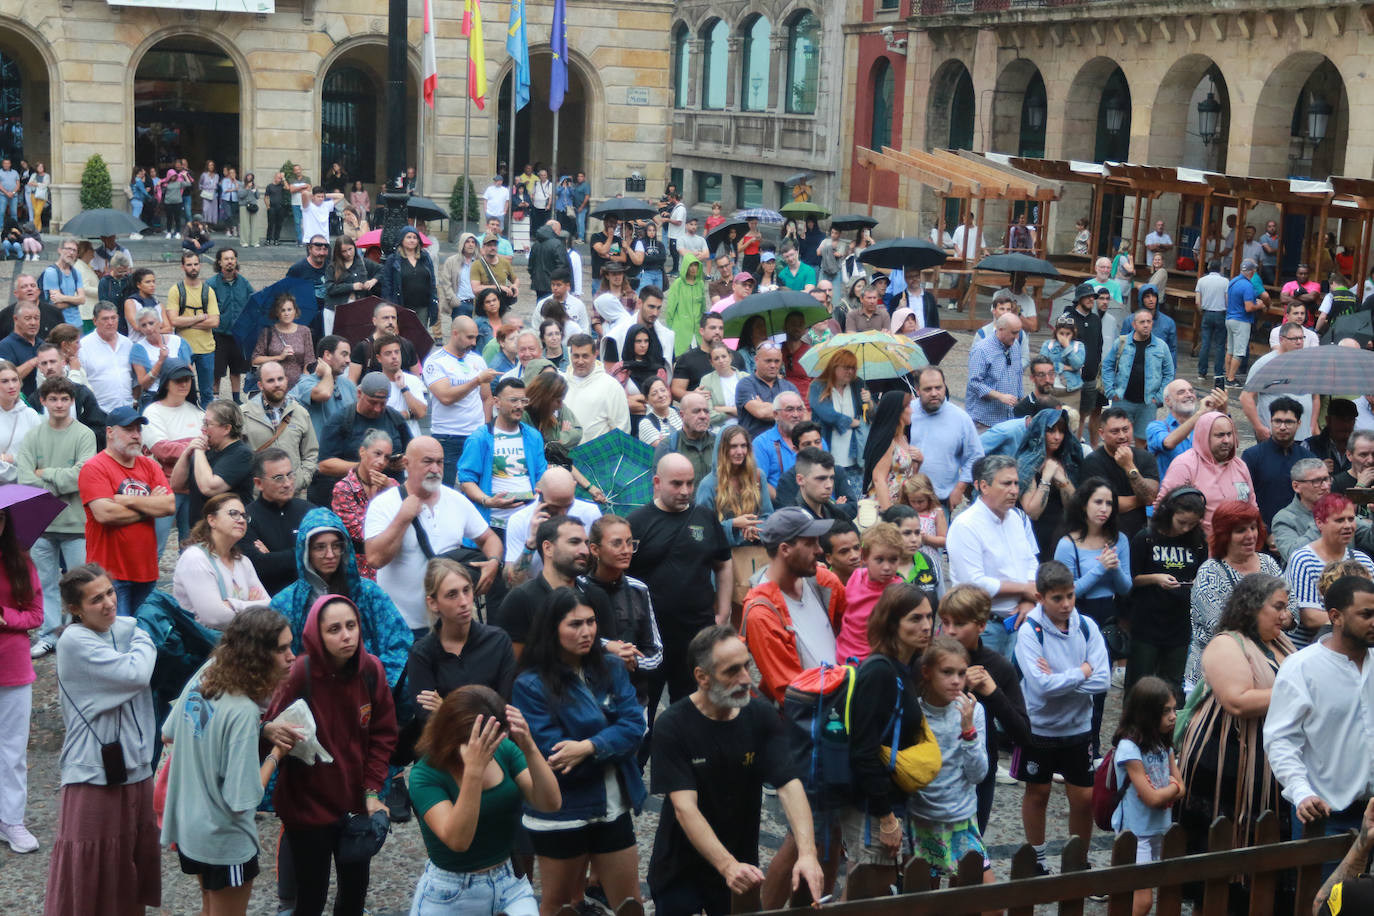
{"type": "Point", "coordinates": [884, 86]}
{"type": "Point", "coordinates": [803, 64]}
{"type": "Point", "coordinates": [756, 66]}
{"type": "Point", "coordinates": [748, 192]}
{"type": "Point", "coordinates": [716, 66]}
{"type": "Point", "coordinates": [682, 60]}
{"type": "Point", "coordinates": [708, 187]}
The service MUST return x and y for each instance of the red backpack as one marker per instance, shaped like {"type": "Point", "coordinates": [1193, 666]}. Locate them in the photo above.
{"type": "Point", "coordinates": [1107, 795]}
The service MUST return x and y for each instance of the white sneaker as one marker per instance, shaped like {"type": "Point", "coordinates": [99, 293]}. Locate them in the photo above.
{"type": "Point", "coordinates": [176, 235]}
{"type": "Point", "coordinates": [1004, 777]}
{"type": "Point", "coordinates": [41, 648]}
{"type": "Point", "coordinates": [19, 838]}
{"type": "Point", "coordinates": [168, 235]}
{"type": "Point", "coordinates": [1118, 676]}
{"type": "Point", "coordinates": [137, 236]}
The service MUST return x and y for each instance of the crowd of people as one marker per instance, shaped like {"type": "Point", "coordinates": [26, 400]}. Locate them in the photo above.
{"type": "Point", "coordinates": [422, 606]}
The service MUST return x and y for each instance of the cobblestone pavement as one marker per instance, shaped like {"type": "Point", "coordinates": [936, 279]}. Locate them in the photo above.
{"type": "Point", "coordinates": [397, 867]}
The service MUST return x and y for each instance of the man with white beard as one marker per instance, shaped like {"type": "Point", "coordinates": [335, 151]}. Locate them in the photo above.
{"type": "Point", "coordinates": [1173, 435]}
{"type": "Point", "coordinates": [447, 518]}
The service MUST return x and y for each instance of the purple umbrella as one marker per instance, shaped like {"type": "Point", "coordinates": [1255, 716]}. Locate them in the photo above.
{"type": "Point", "coordinates": [935, 343]}
{"type": "Point", "coordinates": [39, 509]}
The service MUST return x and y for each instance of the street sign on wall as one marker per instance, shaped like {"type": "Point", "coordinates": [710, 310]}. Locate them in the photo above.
{"type": "Point", "coordinates": [636, 95]}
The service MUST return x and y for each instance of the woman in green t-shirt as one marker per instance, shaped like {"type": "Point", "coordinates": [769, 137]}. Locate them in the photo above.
{"type": "Point", "coordinates": [468, 794]}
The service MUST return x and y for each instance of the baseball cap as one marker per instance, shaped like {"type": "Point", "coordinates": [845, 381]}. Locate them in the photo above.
{"type": "Point", "coordinates": [125, 416]}
{"type": "Point", "coordinates": [768, 256]}
{"type": "Point", "coordinates": [1354, 895]}
{"type": "Point", "coordinates": [742, 277]}
{"type": "Point", "coordinates": [792, 522]}
{"type": "Point", "coordinates": [177, 368]}
{"type": "Point", "coordinates": [1249, 264]}
{"type": "Point", "coordinates": [374, 385]}
{"type": "Point", "coordinates": [1084, 291]}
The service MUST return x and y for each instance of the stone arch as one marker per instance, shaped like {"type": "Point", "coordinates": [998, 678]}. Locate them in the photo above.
{"type": "Point", "coordinates": [713, 93]}
{"type": "Point", "coordinates": [1175, 138]}
{"type": "Point", "coordinates": [950, 107]}
{"type": "Point", "coordinates": [39, 93]}
{"type": "Point", "coordinates": [1279, 146]}
{"type": "Point", "coordinates": [368, 53]}
{"type": "Point", "coordinates": [581, 71]}
{"type": "Point", "coordinates": [221, 42]}
{"type": "Point", "coordinates": [1019, 87]}
{"type": "Point", "coordinates": [1084, 110]}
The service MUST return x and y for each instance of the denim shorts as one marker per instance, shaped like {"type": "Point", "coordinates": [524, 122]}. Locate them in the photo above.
{"type": "Point", "coordinates": [1141, 414]}
{"type": "Point", "coordinates": [475, 893]}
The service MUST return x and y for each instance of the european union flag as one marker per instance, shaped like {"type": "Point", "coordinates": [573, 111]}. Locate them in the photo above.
{"type": "Point", "coordinates": [558, 71]}
{"type": "Point", "coordinates": [519, 51]}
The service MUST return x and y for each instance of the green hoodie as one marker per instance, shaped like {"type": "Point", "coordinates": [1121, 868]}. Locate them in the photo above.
{"type": "Point", "coordinates": [685, 303]}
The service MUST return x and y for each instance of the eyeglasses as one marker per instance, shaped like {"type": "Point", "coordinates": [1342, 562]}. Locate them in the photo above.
{"type": "Point", "coordinates": [1318, 481]}
{"type": "Point", "coordinates": [237, 515]}
{"type": "Point", "coordinates": [326, 548]}
{"type": "Point", "coordinates": [516, 402]}
{"type": "Point", "coordinates": [319, 245]}
{"type": "Point", "coordinates": [619, 543]}
{"type": "Point", "coordinates": [1299, 339]}
{"type": "Point", "coordinates": [795, 409]}
{"type": "Point", "coordinates": [280, 478]}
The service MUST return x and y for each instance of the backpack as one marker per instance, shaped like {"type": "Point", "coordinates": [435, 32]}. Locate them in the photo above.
{"type": "Point", "coordinates": [815, 714]}
{"type": "Point", "coordinates": [1039, 632]}
{"type": "Point", "coordinates": [204, 297]}
{"type": "Point", "coordinates": [1107, 795]}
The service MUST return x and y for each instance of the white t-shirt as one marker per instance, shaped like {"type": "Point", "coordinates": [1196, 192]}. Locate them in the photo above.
{"type": "Point", "coordinates": [107, 370]}
{"type": "Point", "coordinates": [315, 219]}
{"type": "Point", "coordinates": [509, 471]}
{"type": "Point", "coordinates": [576, 310]}
{"type": "Point", "coordinates": [811, 626]}
{"type": "Point", "coordinates": [518, 529]}
{"type": "Point", "coordinates": [496, 196]}
{"type": "Point", "coordinates": [1263, 401]}
{"type": "Point", "coordinates": [677, 228]}
{"type": "Point", "coordinates": [448, 522]}
{"type": "Point", "coordinates": [968, 243]}
{"type": "Point", "coordinates": [396, 400]}
{"type": "Point", "coordinates": [1309, 338]}
{"type": "Point", "coordinates": [694, 244]}
{"type": "Point", "coordinates": [464, 416]}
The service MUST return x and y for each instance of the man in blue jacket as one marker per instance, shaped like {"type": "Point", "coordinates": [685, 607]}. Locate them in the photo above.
{"type": "Point", "coordinates": [1165, 328]}
{"type": "Point", "coordinates": [1135, 371]}
{"type": "Point", "coordinates": [503, 459]}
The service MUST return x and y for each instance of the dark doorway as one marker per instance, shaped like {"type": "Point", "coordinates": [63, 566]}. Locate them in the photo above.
{"type": "Point", "coordinates": [186, 105]}
{"type": "Point", "coordinates": [534, 123]}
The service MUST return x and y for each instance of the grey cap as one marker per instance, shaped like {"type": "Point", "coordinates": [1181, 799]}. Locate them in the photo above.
{"type": "Point", "coordinates": [1084, 291]}
{"type": "Point", "coordinates": [792, 522]}
{"type": "Point", "coordinates": [374, 385]}
{"type": "Point", "coordinates": [1249, 264]}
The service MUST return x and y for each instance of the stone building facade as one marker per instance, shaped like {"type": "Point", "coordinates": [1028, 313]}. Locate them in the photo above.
{"type": "Point", "coordinates": [305, 82]}
{"type": "Point", "coordinates": [1102, 80]}
{"type": "Point", "coordinates": [756, 100]}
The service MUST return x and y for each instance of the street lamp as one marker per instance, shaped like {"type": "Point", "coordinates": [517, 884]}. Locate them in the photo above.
{"type": "Point", "coordinates": [1318, 118]}
{"type": "Point", "coordinates": [1116, 113]}
{"type": "Point", "coordinates": [1208, 118]}
{"type": "Point", "coordinates": [1035, 112]}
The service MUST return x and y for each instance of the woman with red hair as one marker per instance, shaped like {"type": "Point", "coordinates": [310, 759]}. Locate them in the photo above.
{"type": "Point", "coordinates": [1237, 535]}
{"type": "Point", "coordinates": [1334, 515]}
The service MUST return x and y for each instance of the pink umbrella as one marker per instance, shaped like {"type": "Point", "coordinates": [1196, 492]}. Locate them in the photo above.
{"type": "Point", "coordinates": [373, 239]}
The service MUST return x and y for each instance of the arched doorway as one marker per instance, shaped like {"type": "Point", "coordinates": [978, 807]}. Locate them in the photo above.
{"type": "Point", "coordinates": [950, 118]}
{"type": "Point", "coordinates": [25, 104]}
{"type": "Point", "coordinates": [1019, 110]}
{"type": "Point", "coordinates": [1301, 120]}
{"type": "Point", "coordinates": [1097, 127]}
{"type": "Point", "coordinates": [1181, 133]}
{"type": "Point", "coordinates": [186, 104]}
{"type": "Point", "coordinates": [534, 122]}
{"type": "Point", "coordinates": [353, 117]}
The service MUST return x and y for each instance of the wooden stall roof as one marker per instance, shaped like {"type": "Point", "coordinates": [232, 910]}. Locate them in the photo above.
{"type": "Point", "coordinates": [952, 174]}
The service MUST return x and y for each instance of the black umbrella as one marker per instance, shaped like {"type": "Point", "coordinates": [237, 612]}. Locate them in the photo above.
{"type": "Point", "coordinates": [935, 343]}
{"type": "Point", "coordinates": [1014, 263]}
{"type": "Point", "coordinates": [92, 224]}
{"type": "Point", "coordinates": [621, 208]}
{"type": "Point", "coordinates": [903, 254]}
{"type": "Point", "coordinates": [848, 221]}
{"type": "Point", "coordinates": [1359, 325]}
{"type": "Point", "coordinates": [717, 236]}
{"type": "Point", "coordinates": [424, 208]}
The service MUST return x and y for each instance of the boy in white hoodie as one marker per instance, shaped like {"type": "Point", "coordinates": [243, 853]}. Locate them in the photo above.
{"type": "Point", "coordinates": [1063, 662]}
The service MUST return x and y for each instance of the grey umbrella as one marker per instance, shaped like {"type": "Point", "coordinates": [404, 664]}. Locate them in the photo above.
{"type": "Point", "coordinates": [92, 224]}
{"type": "Point", "coordinates": [1320, 370]}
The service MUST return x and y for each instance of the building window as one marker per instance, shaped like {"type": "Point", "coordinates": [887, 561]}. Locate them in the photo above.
{"type": "Point", "coordinates": [889, 4]}
{"type": "Point", "coordinates": [748, 192]}
{"type": "Point", "coordinates": [348, 117]}
{"type": "Point", "coordinates": [708, 187]}
{"type": "Point", "coordinates": [803, 63]}
{"type": "Point", "coordinates": [884, 89]}
{"type": "Point", "coordinates": [682, 60]}
{"type": "Point", "coordinates": [11, 109]}
{"type": "Point", "coordinates": [716, 64]}
{"type": "Point", "coordinates": [754, 73]}
{"type": "Point", "coordinates": [675, 177]}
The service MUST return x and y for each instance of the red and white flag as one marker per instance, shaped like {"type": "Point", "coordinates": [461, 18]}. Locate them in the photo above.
{"type": "Point", "coordinates": [431, 66]}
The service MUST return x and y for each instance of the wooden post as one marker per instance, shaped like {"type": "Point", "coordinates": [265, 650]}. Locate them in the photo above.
{"type": "Point", "coordinates": [1169, 899]}
{"type": "Point", "coordinates": [871, 169]}
{"type": "Point", "coordinates": [1094, 242]}
{"type": "Point", "coordinates": [1202, 236]}
{"type": "Point", "coordinates": [1216, 891]}
{"type": "Point", "coordinates": [1278, 255]}
{"type": "Point", "coordinates": [1242, 207]}
{"type": "Point", "coordinates": [1135, 229]}
{"type": "Point", "coordinates": [1042, 241]}
{"type": "Point", "coordinates": [1149, 223]}
{"type": "Point", "coordinates": [1011, 219]}
{"type": "Point", "coordinates": [1321, 236]}
{"type": "Point", "coordinates": [1362, 259]}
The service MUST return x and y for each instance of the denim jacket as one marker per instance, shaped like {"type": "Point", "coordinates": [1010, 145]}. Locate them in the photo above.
{"type": "Point", "coordinates": [611, 718]}
{"type": "Point", "coordinates": [831, 420]}
{"type": "Point", "coordinates": [1068, 362]}
{"type": "Point", "coordinates": [1116, 368]}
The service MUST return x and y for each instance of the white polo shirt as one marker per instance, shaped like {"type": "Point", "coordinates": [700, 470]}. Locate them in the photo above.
{"type": "Point", "coordinates": [462, 417]}
{"type": "Point", "coordinates": [107, 370]}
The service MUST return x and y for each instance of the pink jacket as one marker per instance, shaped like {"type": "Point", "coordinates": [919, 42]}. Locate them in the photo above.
{"type": "Point", "coordinates": [16, 620]}
{"type": "Point", "coordinates": [1219, 483]}
{"type": "Point", "coordinates": [860, 596]}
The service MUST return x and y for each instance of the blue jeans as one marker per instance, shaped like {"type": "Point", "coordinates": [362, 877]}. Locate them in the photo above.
{"type": "Point", "coordinates": [186, 200]}
{"type": "Point", "coordinates": [205, 376]}
{"type": "Point", "coordinates": [50, 553]}
{"type": "Point", "coordinates": [996, 637]}
{"type": "Point", "coordinates": [296, 215]}
{"type": "Point", "coordinates": [650, 277]}
{"type": "Point", "coordinates": [12, 207]}
{"type": "Point", "coordinates": [1141, 414]}
{"type": "Point", "coordinates": [1213, 345]}
{"type": "Point", "coordinates": [136, 208]}
{"type": "Point", "coordinates": [453, 450]}
{"type": "Point", "coordinates": [182, 518]}
{"type": "Point", "coordinates": [485, 893]}
{"type": "Point", "coordinates": [12, 249]}
{"type": "Point", "coordinates": [581, 224]}
{"type": "Point", "coordinates": [129, 596]}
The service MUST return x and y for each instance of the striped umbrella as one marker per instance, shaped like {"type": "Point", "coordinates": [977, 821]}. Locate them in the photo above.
{"type": "Point", "coordinates": [880, 355]}
{"type": "Point", "coordinates": [762, 214]}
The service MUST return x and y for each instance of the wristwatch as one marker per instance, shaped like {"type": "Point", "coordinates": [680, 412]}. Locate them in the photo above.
{"type": "Point", "coordinates": [1132, 474]}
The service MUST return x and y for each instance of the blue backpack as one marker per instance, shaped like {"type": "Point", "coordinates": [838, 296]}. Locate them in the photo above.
{"type": "Point", "coordinates": [1039, 632]}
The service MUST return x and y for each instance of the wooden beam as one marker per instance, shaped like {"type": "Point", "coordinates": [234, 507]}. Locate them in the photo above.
{"type": "Point", "coordinates": [928, 164]}
{"type": "Point", "coordinates": [1042, 186]}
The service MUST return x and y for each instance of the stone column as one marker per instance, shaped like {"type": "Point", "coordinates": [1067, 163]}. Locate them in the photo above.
{"type": "Point", "coordinates": [777, 71]}
{"type": "Point", "coordinates": [734, 51]}
{"type": "Point", "coordinates": [694, 61]}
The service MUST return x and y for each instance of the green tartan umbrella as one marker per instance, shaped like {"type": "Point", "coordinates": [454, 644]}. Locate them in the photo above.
{"type": "Point", "coordinates": [623, 467]}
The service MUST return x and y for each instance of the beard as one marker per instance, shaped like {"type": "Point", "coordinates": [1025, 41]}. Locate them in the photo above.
{"type": "Point", "coordinates": [1184, 411]}
{"type": "Point", "coordinates": [728, 698]}
{"type": "Point", "coordinates": [432, 482]}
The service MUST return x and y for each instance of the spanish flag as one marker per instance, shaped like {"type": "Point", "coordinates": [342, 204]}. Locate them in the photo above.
{"type": "Point", "coordinates": [477, 54]}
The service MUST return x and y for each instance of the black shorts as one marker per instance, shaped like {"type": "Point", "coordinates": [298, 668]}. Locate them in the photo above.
{"type": "Point", "coordinates": [1070, 757]}
{"type": "Point", "coordinates": [229, 356]}
{"type": "Point", "coordinates": [220, 877]}
{"type": "Point", "coordinates": [593, 839]}
{"type": "Point", "coordinates": [1089, 399]}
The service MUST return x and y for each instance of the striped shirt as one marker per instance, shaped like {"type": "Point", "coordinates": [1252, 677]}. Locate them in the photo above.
{"type": "Point", "coordinates": [1303, 574]}
{"type": "Point", "coordinates": [992, 368]}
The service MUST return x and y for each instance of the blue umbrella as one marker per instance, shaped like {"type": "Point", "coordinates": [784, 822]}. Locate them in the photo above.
{"type": "Point", "coordinates": [257, 314]}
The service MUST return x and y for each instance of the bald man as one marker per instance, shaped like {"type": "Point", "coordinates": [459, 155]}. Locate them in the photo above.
{"type": "Point", "coordinates": [459, 385]}
{"type": "Point", "coordinates": [26, 290]}
{"type": "Point", "coordinates": [447, 518]}
{"type": "Point", "coordinates": [681, 547]}
{"type": "Point", "coordinates": [555, 494]}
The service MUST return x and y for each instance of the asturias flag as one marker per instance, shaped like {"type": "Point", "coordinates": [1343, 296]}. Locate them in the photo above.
{"type": "Point", "coordinates": [431, 65]}
{"type": "Point", "coordinates": [558, 70]}
{"type": "Point", "coordinates": [477, 53]}
{"type": "Point", "coordinates": [519, 51]}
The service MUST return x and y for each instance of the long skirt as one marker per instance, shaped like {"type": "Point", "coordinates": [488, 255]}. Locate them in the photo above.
{"type": "Point", "coordinates": [107, 850]}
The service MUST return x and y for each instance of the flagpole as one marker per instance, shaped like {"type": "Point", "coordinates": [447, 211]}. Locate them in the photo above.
{"type": "Point", "coordinates": [510, 158]}
{"type": "Point", "coordinates": [467, 156]}
{"type": "Point", "coordinates": [557, 116]}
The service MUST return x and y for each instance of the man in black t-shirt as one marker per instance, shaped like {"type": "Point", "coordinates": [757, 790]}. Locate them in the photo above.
{"type": "Point", "coordinates": [695, 364]}
{"type": "Point", "coordinates": [384, 322]}
{"type": "Point", "coordinates": [312, 268]}
{"type": "Point", "coordinates": [344, 432]}
{"type": "Point", "coordinates": [680, 546]}
{"type": "Point", "coordinates": [217, 461]}
{"type": "Point", "coordinates": [1132, 472]}
{"type": "Point", "coordinates": [561, 542]}
{"type": "Point", "coordinates": [714, 751]}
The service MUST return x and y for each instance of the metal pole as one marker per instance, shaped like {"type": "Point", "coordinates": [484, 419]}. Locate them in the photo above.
{"type": "Point", "coordinates": [394, 201]}
{"type": "Point", "coordinates": [467, 156]}
{"type": "Point", "coordinates": [557, 116]}
{"type": "Point", "coordinates": [510, 159]}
